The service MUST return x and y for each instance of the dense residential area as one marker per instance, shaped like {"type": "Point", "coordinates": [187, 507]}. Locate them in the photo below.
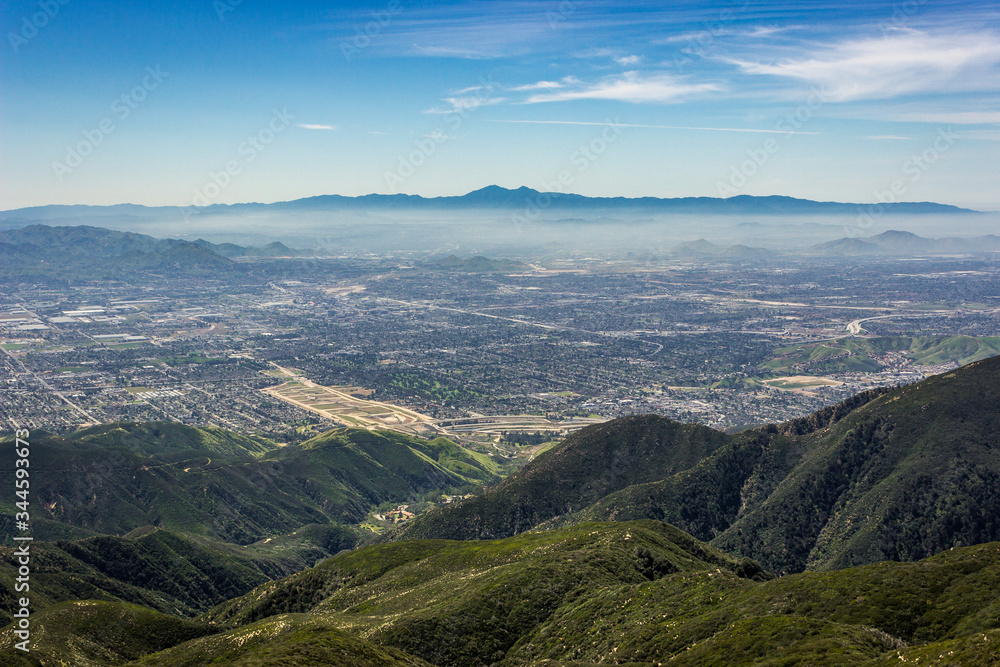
{"type": "Point", "coordinates": [699, 339]}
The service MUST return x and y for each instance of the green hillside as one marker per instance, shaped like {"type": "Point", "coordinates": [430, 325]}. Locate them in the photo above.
{"type": "Point", "coordinates": [688, 611]}
{"type": "Point", "coordinates": [170, 438]}
{"type": "Point", "coordinates": [899, 474]}
{"type": "Point", "coordinates": [908, 475]}
{"type": "Point", "coordinates": [858, 354]}
{"type": "Point", "coordinates": [285, 641]}
{"type": "Point", "coordinates": [93, 634]}
{"type": "Point", "coordinates": [629, 593]}
{"type": "Point", "coordinates": [116, 478]}
{"type": "Point", "coordinates": [164, 571]}
{"type": "Point", "coordinates": [479, 264]}
{"type": "Point", "coordinates": [465, 603]}
{"type": "Point", "coordinates": [582, 469]}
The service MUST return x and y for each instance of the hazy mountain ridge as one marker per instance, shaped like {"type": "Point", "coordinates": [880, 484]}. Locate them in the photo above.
{"type": "Point", "coordinates": [895, 242]}
{"type": "Point", "coordinates": [705, 248]}
{"type": "Point", "coordinates": [96, 252]}
{"type": "Point", "coordinates": [489, 197]}
{"type": "Point", "coordinates": [83, 252]}
{"type": "Point", "coordinates": [230, 250]}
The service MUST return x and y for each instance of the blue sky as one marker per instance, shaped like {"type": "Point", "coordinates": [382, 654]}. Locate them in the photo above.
{"type": "Point", "coordinates": [229, 101]}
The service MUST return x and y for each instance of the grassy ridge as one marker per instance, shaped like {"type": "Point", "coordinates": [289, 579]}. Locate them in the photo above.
{"type": "Point", "coordinates": [92, 634]}
{"type": "Point", "coordinates": [854, 616]}
{"type": "Point", "coordinates": [170, 438]}
{"type": "Point", "coordinates": [635, 593]}
{"type": "Point", "coordinates": [856, 354]}
{"type": "Point", "coordinates": [457, 603]}
{"type": "Point", "coordinates": [286, 641]}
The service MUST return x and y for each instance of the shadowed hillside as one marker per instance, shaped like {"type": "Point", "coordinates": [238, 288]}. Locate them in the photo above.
{"type": "Point", "coordinates": [112, 479]}
{"type": "Point", "coordinates": [898, 475]}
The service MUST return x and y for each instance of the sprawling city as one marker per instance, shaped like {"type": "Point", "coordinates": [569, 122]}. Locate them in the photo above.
{"type": "Point", "coordinates": [411, 344]}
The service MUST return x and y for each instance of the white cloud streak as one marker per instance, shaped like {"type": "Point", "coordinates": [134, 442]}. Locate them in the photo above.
{"type": "Point", "coordinates": [465, 104]}
{"type": "Point", "coordinates": [909, 62]}
{"type": "Point", "coordinates": [949, 117]}
{"type": "Point", "coordinates": [655, 127]}
{"type": "Point", "coordinates": [631, 87]}
{"type": "Point", "coordinates": [541, 85]}
{"type": "Point", "coordinates": [627, 61]}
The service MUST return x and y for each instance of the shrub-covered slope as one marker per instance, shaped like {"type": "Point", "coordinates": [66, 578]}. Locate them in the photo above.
{"type": "Point", "coordinates": [459, 603]}
{"type": "Point", "coordinates": [636, 593]}
{"type": "Point", "coordinates": [912, 473]}
{"type": "Point", "coordinates": [585, 467]}
{"type": "Point", "coordinates": [283, 641]}
{"type": "Point", "coordinates": [631, 593]}
{"type": "Point", "coordinates": [171, 438]}
{"type": "Point", "coordinates": [898, 474]}
{"type": "Point", "coordinates": [164, 571]}
{"type": "Point", "coordinates": [116, 478]}
{"type": "Point", "coordinates": [94, 634]}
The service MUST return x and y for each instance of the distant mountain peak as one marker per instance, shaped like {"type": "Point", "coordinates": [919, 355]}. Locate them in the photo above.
{"type": "Point", "coordinates": [499, 189]}
{"type": "Point", "coordinates": [896, 234]}
{"type": "Point", "coordinates": [490, 196]}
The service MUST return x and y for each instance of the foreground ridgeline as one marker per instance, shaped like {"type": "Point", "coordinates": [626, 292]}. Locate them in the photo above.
{"type": "Point", "coordinates": [637, 593]}
{"type": "Point", "coordinates": [162, 544]}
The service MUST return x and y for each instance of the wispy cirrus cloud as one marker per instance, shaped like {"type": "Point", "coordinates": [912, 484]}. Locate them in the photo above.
{"type": "Point", "coordinates": [723, 34]}
{"type": "Point", "coordinates": [312, 126]}
{"type": "Point", "coordinates": [628, 61]}
{"type": "Point", "coordinates": [762, 31]}
{"type": "Point", "coordinates": [451, 52]}
{"type": "Point", "coordinates": [635, 87]}
{"type": "Point", "coordinates": [540, 85]}
{"type": "Point", "coordinates": [901, 63]}
{"type": "Point", "coordinates": [465, 104]}
{"type": "Point", "coordinates": [654, 127]}
{"type": "Point", "coordinates": [470, 30]}
{"type": "Point", "coordinates": [949, 117]}
{"type": "Point", "coordinates": [473, 89]}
